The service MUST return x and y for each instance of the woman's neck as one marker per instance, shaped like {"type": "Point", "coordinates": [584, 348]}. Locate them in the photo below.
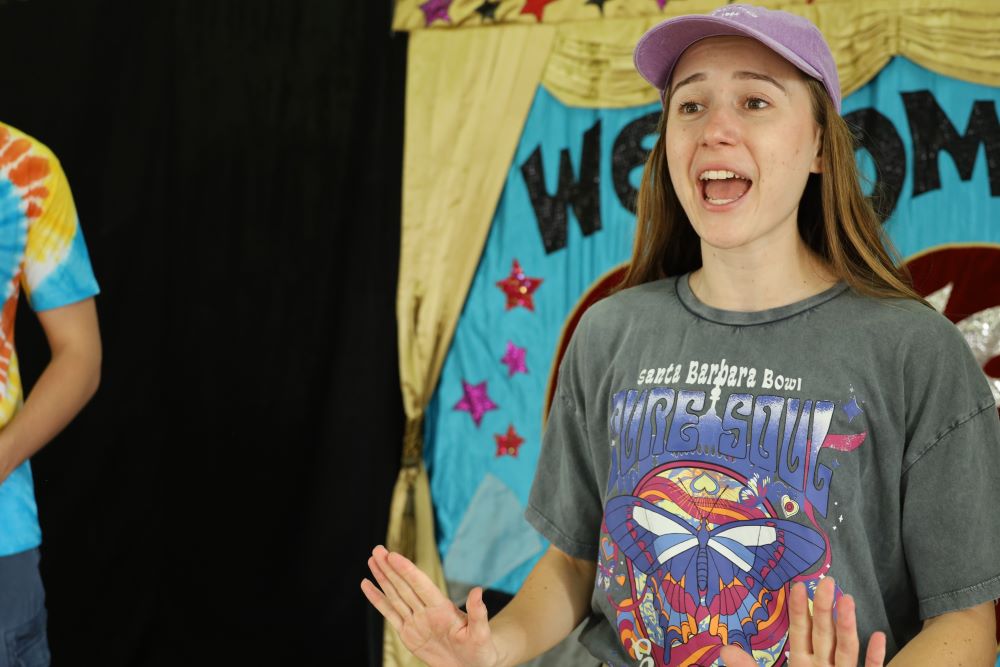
{"type": "Point", "coordinates": [748, 280]}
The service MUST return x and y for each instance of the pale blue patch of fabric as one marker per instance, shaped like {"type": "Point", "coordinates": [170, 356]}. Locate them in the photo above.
{"type": "Point", "coordinates": [493, 537]}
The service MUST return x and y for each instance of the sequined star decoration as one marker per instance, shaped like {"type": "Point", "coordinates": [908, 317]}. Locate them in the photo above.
{"type": "Point", "coordinates": [435, 10]}
{"type": "Point", "coordinates": [536, 7]}
{"type": "Point", "coordinates": [514, 359]}
{"type": "Point", "coordinates": [519, 288]}
{"type": "Point", "coordinates": [508, 444]}
{"type": "Point", "coordinates": [981, 331]}
{"type": "Point", "coordinates": [488, 10]}
{"type": "Point", "coordinates": [475, 401]}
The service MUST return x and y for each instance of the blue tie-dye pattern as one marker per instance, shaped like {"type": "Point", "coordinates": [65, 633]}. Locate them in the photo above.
{"type": "Point", "coordinates": [71, 281]}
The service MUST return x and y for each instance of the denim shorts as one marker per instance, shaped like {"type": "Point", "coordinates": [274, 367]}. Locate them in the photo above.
{"type": "Point", "coordinates": [23, 640]}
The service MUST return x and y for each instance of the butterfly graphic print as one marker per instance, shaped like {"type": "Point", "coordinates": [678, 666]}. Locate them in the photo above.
{"type": "Point", "coordinates": [715, 567]}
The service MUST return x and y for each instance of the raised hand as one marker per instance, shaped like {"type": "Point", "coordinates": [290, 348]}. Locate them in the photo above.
{"type": "Point", "coordinates": [819, 641]}
{"type": "Point", "coordinates": [430, 625]}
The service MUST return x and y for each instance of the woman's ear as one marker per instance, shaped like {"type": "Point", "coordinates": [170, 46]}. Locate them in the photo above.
{"type": "Point", "coordinates": [816, 167]}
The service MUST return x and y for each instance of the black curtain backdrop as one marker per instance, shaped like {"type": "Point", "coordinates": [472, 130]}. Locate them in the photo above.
{"type": "Point", "coordinates": [237, 169]}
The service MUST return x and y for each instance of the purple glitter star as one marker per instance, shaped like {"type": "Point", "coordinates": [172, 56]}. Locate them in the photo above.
{"type": "Point", "coordinates": [434, 10]}
{"type": "Point", "coordinates": [514, 359]}
{"type": "Point", "coordinates": [475, 401]}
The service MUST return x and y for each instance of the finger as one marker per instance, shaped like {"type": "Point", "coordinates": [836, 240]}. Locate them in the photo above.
{"type": "Point", "coordinates": [847, 633]}
{"type": "Point", "coordinates": [479, 626]}
{"type": "Point", "coordinates": [402, 609]}
{"type": "Point", "coordinates": [875, 657]}
{"type": "Point", "coordinates": [799, 625]}
{"type": "Point", "coordinates": [732, 656]}
{"type": "Point", "coordinates": [403, 588]}
{"type": "Point", "coordinates": [422, 586]}
{"type": "Point", "coordinates": [380, 602]}
{"type": "Point", "coordinates": [824, 635]}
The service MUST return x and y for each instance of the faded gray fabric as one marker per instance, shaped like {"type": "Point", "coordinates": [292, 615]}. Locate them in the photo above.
{"type": "Point", "coordinates": [707, 459]}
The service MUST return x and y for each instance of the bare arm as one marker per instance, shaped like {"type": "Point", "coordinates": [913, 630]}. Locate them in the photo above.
{"type": "Point", "coordinates": [554, 599]}
{"type": "Point", "coordinates": [958, 638]}
{"type": "Point", "coordinates": [64, 387]}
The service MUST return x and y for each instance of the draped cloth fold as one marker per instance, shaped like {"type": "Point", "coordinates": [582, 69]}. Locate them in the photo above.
{"type": "Point", "coordinates": [468, 94]}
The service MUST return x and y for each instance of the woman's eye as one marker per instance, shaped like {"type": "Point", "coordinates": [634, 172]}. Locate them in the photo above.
{"type": "Point", "coordinates": [689, 107]}
{"type": "Point", "coordinates": [757, 103]}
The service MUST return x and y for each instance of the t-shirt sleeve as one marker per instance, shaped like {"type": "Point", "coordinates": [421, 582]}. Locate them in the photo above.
{"type": "Point", "coordinates": [951, 488]}
{"type": "Point", "coordinates": [57, 270]}
{"type": "Point", "coordinates": [565, 504]}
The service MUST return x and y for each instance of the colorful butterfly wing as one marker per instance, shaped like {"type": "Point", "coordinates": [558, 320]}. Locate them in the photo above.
{"type": "Point", "coordinates": [772, 551]}
{"type": "Point", "coordinates": [650, 537]}
{"type": "Point", "coordinates": [746, 557]}
{"type": "Point", "coordinates": [664, 548]}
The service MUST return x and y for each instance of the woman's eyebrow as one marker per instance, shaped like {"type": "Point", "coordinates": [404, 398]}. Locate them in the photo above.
{"type": "Point", "coordinates": [742, 75]}
{"type": "Point", "coordinates": [760, 77]}
{"type": "Point", "coordinates": [698, 76]}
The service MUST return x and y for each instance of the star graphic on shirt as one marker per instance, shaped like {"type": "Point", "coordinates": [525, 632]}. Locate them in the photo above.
{"type": "Point", "coordinates": [508, 444]}
{"type": "Point", "coordinates": [514, 359]}
{"type": "Point", "coordinates": [852, 409]}
{"type": "Point", "coordinates": [475, 401]}
{"type": "Point", "coordinates": [536, 7]}
{"type": "Point", "coordinates": [434, 10]}
{"type": "Point", "coordinates": [519, 288]}
{"type": "Point", "coordinates": [488, 10]}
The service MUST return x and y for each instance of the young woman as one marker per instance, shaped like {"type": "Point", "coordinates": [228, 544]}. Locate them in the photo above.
{"type": "Point", "coordinates": [766, 449]}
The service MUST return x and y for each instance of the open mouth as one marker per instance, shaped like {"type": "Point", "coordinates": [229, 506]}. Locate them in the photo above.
{"type": "Point", "coordinates": [721, 187]}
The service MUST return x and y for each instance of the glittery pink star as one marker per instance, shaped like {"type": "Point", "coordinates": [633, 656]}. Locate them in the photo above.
{"type": "Point", "coordinates": [434, 10]}
{"type": "Point", "coordinates": [514, 359]}
{"type": "Point", "coordinates": [519, 287]}
{"type": "Point", "coordinates": [508, 444]}
{"type": "Point", "coordinates": [475, 401]}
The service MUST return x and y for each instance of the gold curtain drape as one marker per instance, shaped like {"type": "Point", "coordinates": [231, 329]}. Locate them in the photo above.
{"type": "Point", "coordinates": [467, 96]}
{"type": "Point", "coordinates": [469, 90]}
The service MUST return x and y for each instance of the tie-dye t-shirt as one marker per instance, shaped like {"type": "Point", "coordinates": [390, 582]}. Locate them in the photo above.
{"type": "Point", "coordinates": [41, 251]}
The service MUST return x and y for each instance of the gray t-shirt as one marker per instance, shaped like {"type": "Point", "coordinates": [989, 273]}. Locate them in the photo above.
{"type": "Point", "coordinates": [708, 459]}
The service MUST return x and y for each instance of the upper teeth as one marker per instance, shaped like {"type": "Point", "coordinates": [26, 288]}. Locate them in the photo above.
{"type": "Point", "coordinates": [712, 175]}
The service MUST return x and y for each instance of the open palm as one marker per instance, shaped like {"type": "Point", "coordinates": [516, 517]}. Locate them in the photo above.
{"type": "Point", "coordinates": [430, 625]}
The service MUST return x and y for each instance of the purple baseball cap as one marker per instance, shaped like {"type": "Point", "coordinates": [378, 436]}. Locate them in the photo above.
{"type": "Point", "coordinates": [792, 37]}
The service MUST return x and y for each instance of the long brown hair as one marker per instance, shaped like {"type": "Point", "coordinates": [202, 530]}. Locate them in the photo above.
{"type": "Point", "coordinates": [835, 219]}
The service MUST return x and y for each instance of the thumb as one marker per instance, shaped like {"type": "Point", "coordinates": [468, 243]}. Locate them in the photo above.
{"type": "Point", "coordinates": [479, 627]}
{"type": "Point", "coordinates": [734, 657]}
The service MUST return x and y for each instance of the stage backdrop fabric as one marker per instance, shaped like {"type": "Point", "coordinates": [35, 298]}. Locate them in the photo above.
{"type": "Point", "coordinates": [918, 95]}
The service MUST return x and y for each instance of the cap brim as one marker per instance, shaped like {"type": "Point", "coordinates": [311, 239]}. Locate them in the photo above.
{"type": "Point", "coordinates": [657, 52]}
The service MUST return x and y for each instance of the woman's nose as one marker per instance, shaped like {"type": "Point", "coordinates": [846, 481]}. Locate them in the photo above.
{"type": "Point", "coordinates": [721, 127]}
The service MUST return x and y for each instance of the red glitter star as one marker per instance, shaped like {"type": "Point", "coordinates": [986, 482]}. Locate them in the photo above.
{"type": "Point", "coordinates": [509, 444]}
{"type": "Point", "coordinates": [536, 7]}
{"type": "Point", "coordinates": [518, 287]}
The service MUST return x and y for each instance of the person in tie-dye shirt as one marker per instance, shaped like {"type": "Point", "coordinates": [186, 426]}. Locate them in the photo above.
{"type": "Point", "coordinates": [42, 252]}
